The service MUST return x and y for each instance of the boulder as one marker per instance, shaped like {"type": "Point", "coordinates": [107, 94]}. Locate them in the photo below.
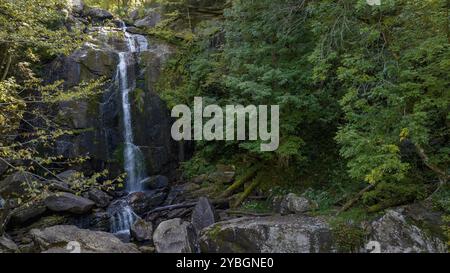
{"type": "Point", "coordinates": [142, 202]}
{"type": "Point", "coordinates": [7, 245]}
{"type": "Point", "coordinates": [141, 231]}
{"type": "Point", "coordinates": [65, 238]}
{"type": "Point", "coordinates": [292, 203]}
{"type": "Point", "coordinates": [175, 236]}
{"type": "Point", "coordinates": [14, 184]}
{"type": "Point", "coordinates": [155, 182]}
{"type": "Point", "coordinates": [56, 185]}
{"type": "Point", "coordinates": [99, 15]}
{"type": "Point", "coordinates": [274, 234]}
{"type": "Point", "coordinates": [67, 202]}
{"type": "Point", "coordinates": [68, 175]}
{"type": "Point", "coordinates": [26, 213]}
{"type": "Point", "coordinates": [97, 220]}
{"type": "Point", "coordinates": [101, 198]}
{"type": "Point", "coordinates": [203, 214]}
{"type": "Point", "coordinates": [409, 229]}
{"type": "Point", "coordinates": [150, 20]}
{"type": "Point", "coordinates": [77, 6]}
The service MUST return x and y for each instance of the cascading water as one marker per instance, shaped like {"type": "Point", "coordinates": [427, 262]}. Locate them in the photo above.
{"type": "Point", "coordinates": [122, 214]}
{"type": "Point", "coordinates": [133, 158]}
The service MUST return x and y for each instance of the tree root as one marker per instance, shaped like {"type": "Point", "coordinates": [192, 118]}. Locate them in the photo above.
{"type": "Point", "coordinates": [251, 173]}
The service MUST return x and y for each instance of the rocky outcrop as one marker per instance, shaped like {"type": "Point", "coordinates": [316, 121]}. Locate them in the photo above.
{"type": "Point", "coordinates": [98, 15]}
{"type": "Point", "coordinates": [68, 238]}
{"type": "Point", "coordinates": [142, 202]}
{"type": "Point", "coordinates": [15, 184]}
{"type": "Point", "coordinates": [67, 202]}
{"type": "Point", "coordinates": [7, 245]}
{"type": "Point", "coordinates": [407, 229]}
{"type": "Point", "coordinates": [203, 214]}
{"type": "Point", "coordinates": [98, 119]}
{"type": "Point", "coordinates": [277, 234]}
{"type": "Point", "coordinates": [175, 236]}
{"type": "Point", "coordinates": [26, 213]}
{"type": "Point", "coordinates": [101, 198]}
{"type": "Point", "coordinates": [141, 231]}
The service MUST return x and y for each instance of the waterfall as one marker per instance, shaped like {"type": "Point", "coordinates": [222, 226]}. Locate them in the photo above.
{"type": "Point", "coordinates": [122, 214]}
{"type": "Point", "coordinates": [133, 158]}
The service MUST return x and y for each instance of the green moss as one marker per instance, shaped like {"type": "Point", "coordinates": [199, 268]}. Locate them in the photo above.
{"type": "Point", "coordinates": [349, 237]}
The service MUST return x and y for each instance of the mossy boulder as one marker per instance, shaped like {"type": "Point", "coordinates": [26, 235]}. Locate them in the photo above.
{"type": "Point", "coordinates": [275, 234]}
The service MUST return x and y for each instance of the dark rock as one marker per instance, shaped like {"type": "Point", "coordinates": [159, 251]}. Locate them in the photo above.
{"type": "Point", "coordinates": [142, 202]}
{"type": "Point", "coordinates": [67, 202]}
{"type": "Point", "coordinates": [155, 182]}
{"type": "Point", "coordinates": [99, 15]}
{"type": "Point", "coordinates": [15, 184]}
{"type": "Point", "coordinates": [101, 198]}
{"type": "Point", "coordinates": [65, 238]}
{"type": "Point", "coordinates": [175, 236]}
{"type": "Point", "coordinates": [141, 231]}
{"type": "Point", "coordinates": [135, 30]}
{"type": "Point", "coordinates": [7, 245]}
{"type": "Point", "coordinates": [134, 14]}
{"type": "Point", "coordinates": [68, 175]}
{"type": "Point", "coordinates": [203, 214]}
{"type": "Point", "coordinates": [98, 220]}
{"type": "Point", "coordinates": [149, 21]}
{"type": "Point", "coordinates": [3, 167]}
{"type": "Point", "coordinates": [56, 185]}
{"type": "Point", "coordinates": [26, 213]}
{"type": "Point", "coordinates": [409, 229]}
{"type": "Point", "coordinates": [277, 234]}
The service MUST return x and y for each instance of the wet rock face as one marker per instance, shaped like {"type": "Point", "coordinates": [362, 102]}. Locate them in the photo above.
{"type": "Point", "coordinates": [277, 234]}
{"type": "Point", "coordinates": [98, 119]}
{"type": "Point", "coordinates": [68, 238]}
{"type": "Point", "coordinates": [175, 236]}
{"type": "Point", "coordinates": [410, 229]}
